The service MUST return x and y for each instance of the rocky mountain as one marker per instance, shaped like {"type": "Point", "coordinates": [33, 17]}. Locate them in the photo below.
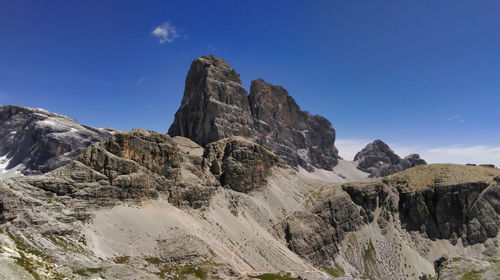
{"type": "Point", "coordinates": [215, 106]}
{"type": "Point", "coordinates": [230, 201]}
{"type": "Point", "coordinates": [143, 205]}
{"type": "Point", "coordinates": [36, 141]}
{"type": "Point", "coordinates": [378, 159]}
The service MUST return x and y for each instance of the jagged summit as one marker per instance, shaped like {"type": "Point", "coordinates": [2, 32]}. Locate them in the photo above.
{"type": "Point", "coordinates": [215, 106]}
{"type": "Point", "coordinates": [378, 159]}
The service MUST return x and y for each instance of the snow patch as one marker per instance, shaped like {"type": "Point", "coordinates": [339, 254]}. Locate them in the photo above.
{"type": "Point", "coordinates": [48, 122]}
{"type": "Point", "coordinates": [12, 172]}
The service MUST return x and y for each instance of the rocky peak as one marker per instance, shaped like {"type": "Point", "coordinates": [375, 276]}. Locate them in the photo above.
{"type": "Point", "coordinates": [216, 106]}
{"type": "Point", "coordinates": [378, 159]}
{"type": "Point", "coordinates": [38, 141]}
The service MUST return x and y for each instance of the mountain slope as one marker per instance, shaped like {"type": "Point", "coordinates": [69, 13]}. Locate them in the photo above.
{"type": "Point", "coordinates": [144, 205]}
{"type": "Point", "coordinates": [36, 141]}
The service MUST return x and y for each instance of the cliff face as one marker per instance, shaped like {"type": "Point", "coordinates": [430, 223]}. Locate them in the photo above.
{"type": "Point", "coordinates": [216, 106]}
{"type": "Point", "coordinates": [432, 202]}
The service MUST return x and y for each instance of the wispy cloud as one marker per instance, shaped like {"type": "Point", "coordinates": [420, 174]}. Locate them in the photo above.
{"type": "Point", "coordinates": [166, 32]}
{"type": "Point", "coordinates": [140, 81]}
{"type": "Point", "coordinates": [456, 118]}
{"type": "Point", "coordinates": [459, 153]}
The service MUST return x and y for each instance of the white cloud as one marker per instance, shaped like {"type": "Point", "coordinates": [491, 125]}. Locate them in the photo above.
{"type": "Point", "coordinates": [463, 154]}
{"type": "Point", "coordinates": [166, 32]}
{"type": "Point", "coordinates": [456, 118]}
{"type": "Point", "coordinates": [460, 154]}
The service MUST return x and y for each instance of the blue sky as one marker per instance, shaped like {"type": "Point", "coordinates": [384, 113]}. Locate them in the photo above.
{"type": "Point", "coordinates": [421, 75]}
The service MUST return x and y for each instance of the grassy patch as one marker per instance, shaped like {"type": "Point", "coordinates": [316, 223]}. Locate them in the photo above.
{"type": "Point", "coordinates": [335, 271]}
{"type": "Point", "coordinates": [122, 259]}
{"type": "Point", "coordinates": [369, 252]}
{"type": "Point", "coordinates": [24, 246]}
{"type": "Point", "coordinates": [271, 276]}
{"type": "Point", "coordinates": [155, 261]}
{"type": "Point", "coordinates": [89, 270]}
{"type": "Point", "coordinates": [472, 275]}
{"type": "Point", "coordinates": [194, 270]}
{"type": "Point", "coordinates": [24, 262]}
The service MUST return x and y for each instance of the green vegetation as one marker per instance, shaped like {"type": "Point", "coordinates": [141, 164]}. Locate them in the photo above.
{"type": "Point", "coordinates": [92, 270]}
{"type": "Point", "coordinates": [199, 270]}
{"type": "Point", "coordinates": [24, 262]}
{"type": "Point", "coordinates": [155, 261]}
{"type": "Point", "coordinates": [24, 246]}
{"type": "Point", "coordinates": [270, 276]}
{"type": "Point", "coordinates": [122, 259]}
{"type": "Point", "coordinates": [336, 271]}
{"type": "Point", "coordinates": [369, 253]}
{"type": "Point", "coordinates": [190, 269]}
{"type": "Point", "coordinates": [472, 275]}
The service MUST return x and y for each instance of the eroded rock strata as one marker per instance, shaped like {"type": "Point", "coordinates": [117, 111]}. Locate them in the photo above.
{"type": "Point", "coordinates": [215, 106]}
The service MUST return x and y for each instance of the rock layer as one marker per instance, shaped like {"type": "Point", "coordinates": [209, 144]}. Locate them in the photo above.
{"type": "Point", "coordinates": [42, 141]}
{"type": "Point", "coordinates": [448, 202]}
{"type": "Point", "coordinates": [216, 106]}
{"type": "Point", "coordinates": [239, 163]}
{"type": "Point", "coordinates": [378, 159]}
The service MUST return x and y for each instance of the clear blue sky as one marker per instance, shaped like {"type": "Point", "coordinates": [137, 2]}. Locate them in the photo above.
{"type": "Point", "coordinates": [414, 73]}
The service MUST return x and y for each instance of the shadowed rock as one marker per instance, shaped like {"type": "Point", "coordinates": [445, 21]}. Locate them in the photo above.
{"type": "Point", "coordinates": [216, 106]}
{"type": "Point", "coordinates": [239, 163]}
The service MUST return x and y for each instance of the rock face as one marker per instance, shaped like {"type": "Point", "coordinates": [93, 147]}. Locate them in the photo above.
{"type": "Point", "coordinates": [216, 106]}
{"type": "Point", "coordinates": [438, 201]}
{"type": "Point", "coordinates": [136, 165]}
{"type": "Point", "coordinates": [316, 233]}
{"type": "Point", "coordinates": [239, 163]}
{"type": "Point", "coordinates": [42, 141]}
{"type": "Point", "coordinates": [378, 159]}
{"type": "Point", "coordinates": [8, 205]}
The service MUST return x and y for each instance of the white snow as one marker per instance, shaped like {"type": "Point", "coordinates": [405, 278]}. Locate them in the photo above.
{"type": "Point", "coordinates": [49, 122]}
{"type": "Point", "coordinates": [12, 172]}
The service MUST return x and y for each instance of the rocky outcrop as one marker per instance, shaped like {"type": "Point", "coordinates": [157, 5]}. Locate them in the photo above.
{"type": "Point", "coordinates": [42, 141]}
{"type": "Point", "coordinates": [8, 205]}
{"type": "Point", "coordinates": [216, 106]}
{"type": "Point", "coordinates": [378, 159]}
{"type": "Point", "coordinates": [439, 201]}
{"type": "Point", "coordinates": [316, 234]}
{"type": "Point", "coordinates": [136, 165]}
{"type": "Point", "coordinates": [240, 164]}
